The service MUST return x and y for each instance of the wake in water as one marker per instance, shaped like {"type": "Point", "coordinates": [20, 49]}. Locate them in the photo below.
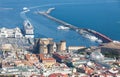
{"type": "Point", "coordinates": [23, 16]}
{"type": "Point", "coordinates": [2, 8]}
{"type": "Point", "coordinates": [23, 13]}
{"type": "Point", "coordinates": [118, 22]}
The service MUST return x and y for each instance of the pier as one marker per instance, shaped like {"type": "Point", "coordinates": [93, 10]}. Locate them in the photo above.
{"type": "Point", "coordinates": [59, 21]}
{"type": "Point", "coordinates": [81, 31]}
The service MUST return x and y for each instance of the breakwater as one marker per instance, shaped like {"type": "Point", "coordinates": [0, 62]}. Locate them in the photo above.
{"type": "Point", "coordinates": [81, 31]}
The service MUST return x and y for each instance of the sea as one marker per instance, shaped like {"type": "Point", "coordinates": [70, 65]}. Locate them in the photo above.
{"type": "Point", "coordinates": [99, 15]}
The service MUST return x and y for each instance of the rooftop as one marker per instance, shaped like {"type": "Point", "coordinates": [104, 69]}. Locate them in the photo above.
{"type": "Point", "coordinates": [114, 45]}
{"type": "Point", "coordinates": [48, 59]}
{"type": "Point", "coordinates": [11, 33]}
{"type": "Point", "coordinates": [58, 75]}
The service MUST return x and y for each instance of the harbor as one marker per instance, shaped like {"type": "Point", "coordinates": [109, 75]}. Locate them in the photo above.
{"type": "Point", "coordinates": [82, 31]}
{"type": "Point", "coordinates": [59, 38]}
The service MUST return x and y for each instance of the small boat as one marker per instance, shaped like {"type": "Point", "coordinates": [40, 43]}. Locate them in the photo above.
{"type": "Point", "coordinates": [63, 28]}
{"type": "Point", "coordinates": [26, 9]}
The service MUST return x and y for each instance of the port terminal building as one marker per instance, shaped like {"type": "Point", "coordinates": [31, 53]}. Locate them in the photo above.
{"type": "Point", "coordinates": [10, 33]}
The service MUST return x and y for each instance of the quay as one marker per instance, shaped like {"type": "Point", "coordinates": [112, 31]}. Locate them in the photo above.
{"type": "Point", "coordinates": [81, 31]}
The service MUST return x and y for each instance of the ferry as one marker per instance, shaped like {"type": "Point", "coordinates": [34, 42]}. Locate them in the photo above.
{"type": "Point", "coordinates": [63, 28]}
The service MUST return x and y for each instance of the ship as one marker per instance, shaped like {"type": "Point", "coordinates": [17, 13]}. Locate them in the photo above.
{"type": "Point", "coordinates": [104, 38]}
{"type": "Point", "coordinates": [25, 9]}
{"type": "Point", "coordinates": [90, 36]}
{"type": "Point", "coordinates": [63, 27]}
{"type": "Point", "coordinates": [93, 38]}
{"type": "Point", "coordinates": [28, 29]}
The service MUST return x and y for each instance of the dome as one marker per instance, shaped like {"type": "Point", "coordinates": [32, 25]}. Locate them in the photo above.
{"type": "Point", "coordinates": [89, 63]}
{"type": "Point", "coordinates": [97, 56]}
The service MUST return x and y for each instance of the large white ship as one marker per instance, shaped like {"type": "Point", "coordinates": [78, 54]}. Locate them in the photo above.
{"type": "Point", "coordinates": [28, 29]}
{"type": "Point", "coordinates": [93, 38]}
{"type": "Point", "coordinates": [90, 36]}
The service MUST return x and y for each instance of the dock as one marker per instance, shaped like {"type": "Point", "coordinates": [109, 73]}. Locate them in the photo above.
{"type": "Point", "coordinates": [81, 31]}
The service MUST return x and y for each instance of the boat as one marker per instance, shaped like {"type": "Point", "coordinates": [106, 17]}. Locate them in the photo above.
{"type": "Point", "coordinates": [93, 38]}
{"type": "Point", "coordinates": [63, 28]}
{"type": "Point", "coordinates": [25, 9]}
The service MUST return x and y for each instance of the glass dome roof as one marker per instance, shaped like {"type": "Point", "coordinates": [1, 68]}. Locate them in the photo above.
{"type": "Point", "coordinates": [97, 56]}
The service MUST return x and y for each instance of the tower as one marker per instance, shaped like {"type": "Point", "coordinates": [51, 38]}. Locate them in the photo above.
{"type": "Point", "coordinates": [52, 47]}
{"type": "Point", "coordinates": [63, 45]}
{"type": "Point", "coordinates": [44, 45]}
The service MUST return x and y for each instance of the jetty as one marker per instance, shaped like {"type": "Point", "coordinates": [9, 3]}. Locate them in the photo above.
{"type": "Point", "coordinates": [81, 31]}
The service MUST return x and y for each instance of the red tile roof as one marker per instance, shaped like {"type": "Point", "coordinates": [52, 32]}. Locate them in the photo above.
{"type": "Point", "coordinates": [58, 75]}
{"type": "Point", "coordinates": [60, 56]}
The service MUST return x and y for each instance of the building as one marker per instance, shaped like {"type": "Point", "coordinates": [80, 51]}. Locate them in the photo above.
{"type": "Point", "coordinates": [45, 41]}
{"type": "Point", "coordinates": [7, 47]}
{"type": "Point", "coordinates": [52, 48]}
{"type": "Point", "coordinates": [57, 68]}
{"type": "Point", "coordinates": [75, 48]}
{"type": "Point", "coordinates": [48, 46]}
{"type": "Point", "coordinates": [111, 49]}
{"type": "Point", "coordinates": [34, 75]}
{"type": "Point", "coordinates": [48, 62]}
{"type": "Point", "coordinates": [43, 49]}
{"type": "Point", "coordinates": [97, 56]}
{"type": "Point", "coordinates": [41, 56]}
{"type": "Point", "coordinates": [61, 46]}
{"type": "Point", "coordinates": [10, 33]}
{"type": "Point", "coordinates": [32, 58]}
{"type": "Point", "coordinates": [43, 44]}
{"type": "Point", "coordinates": [58, 75]}
{"type": "Point", "coordinates": [59, 58]}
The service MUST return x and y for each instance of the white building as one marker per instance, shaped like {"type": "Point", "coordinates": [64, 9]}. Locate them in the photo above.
{"type": "Point", "coordinates": [10, 33]}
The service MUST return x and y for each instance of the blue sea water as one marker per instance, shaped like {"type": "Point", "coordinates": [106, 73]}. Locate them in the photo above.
{"type": "Point", "coordinates": [100, 15]}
